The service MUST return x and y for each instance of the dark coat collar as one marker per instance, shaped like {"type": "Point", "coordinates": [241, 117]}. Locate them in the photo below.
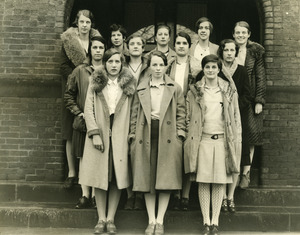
{"type": "Point", "coordinates": [99, 79]}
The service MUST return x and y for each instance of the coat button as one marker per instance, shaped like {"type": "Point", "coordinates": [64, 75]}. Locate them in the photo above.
{"type": "Point", "coordinates": [169, 122]}
{"type": "Point", "coordinates": [140, 141]}
{"type": "Point", "coordinates": [169, 141]}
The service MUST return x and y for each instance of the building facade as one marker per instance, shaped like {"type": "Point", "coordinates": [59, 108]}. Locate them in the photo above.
{"type": "Point", "coordinates": [31, 148]}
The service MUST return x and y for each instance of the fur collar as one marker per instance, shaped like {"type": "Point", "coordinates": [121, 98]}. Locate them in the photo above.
{"type": "Point", "coordinates": [256, 50]}
{"type": "Point", "coordinates": [72, 46]}
{"type": "Point", "coordinates": [99, 79]}
{"type": "Point", "coordinates": [227, 89]}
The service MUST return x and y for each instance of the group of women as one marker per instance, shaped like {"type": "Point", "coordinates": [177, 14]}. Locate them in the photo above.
{"type": "Point", "coordinates": [143, 131]}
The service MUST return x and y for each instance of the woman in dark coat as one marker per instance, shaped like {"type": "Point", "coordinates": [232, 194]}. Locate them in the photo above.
{"type": "Point", "coordinates": [157, 130]}
{"type": "Point", "coordinates": [251, 56]}
{"type": "Point", "coordinates": [75, 42]}
{"type": "Point", "coordinates": [231, 70]}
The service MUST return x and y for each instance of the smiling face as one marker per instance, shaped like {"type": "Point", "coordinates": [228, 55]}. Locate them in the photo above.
{"type": "Point", "coordinates": [181, 46]}
{"type": "Point", "coordinates": [117, 38]}
{"type": "Point", "coordinates": [135, 46]}
{"type": "Point", "coordinates": [113, 65]}
{"type": "Point", "coordinates": [162, 36]}
{"type": "Point", "coordinates": [97, 50]}
{"type": "Point", "coordinates": [211, 70]}
{"type": "Point", "coordinates": [241, 35]}
{"type": "Point", "coordinates": [157, 67]}
{"type": "Point", "coordinates": [204, 31]}
{"type": "Point", "coordinates": [84, 24]}
{"type": "Point", "coordinates": [229, 52]}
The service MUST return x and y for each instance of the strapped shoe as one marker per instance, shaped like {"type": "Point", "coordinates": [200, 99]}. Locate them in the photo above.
{"type": "Point", "coordinates": [206, 229]}
{"type": "Point", "coordinates": [150, 229]}
{"type": "Point", "coordinates": [159, 229]}
{"type": "Point", "coordinates": [83, 203]}
{"type": "Point", "coordinates": [184, 204]}
{"type": "Point", "coordinates": [224, 206]}
{"type": "Point", "coordinates": [214, 229]}
{"type": "Point", "coordinates": [111, 227]}
{"type": "Point", "coordinates": [231, 206]}
{"type": "Point", "coordinates": [100, 227]}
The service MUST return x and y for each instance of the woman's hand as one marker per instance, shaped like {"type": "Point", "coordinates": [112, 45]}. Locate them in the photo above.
{"type": "Point", "coordinates": [98, 143]}
{"type": "Point", "coordinates": [258, 108]}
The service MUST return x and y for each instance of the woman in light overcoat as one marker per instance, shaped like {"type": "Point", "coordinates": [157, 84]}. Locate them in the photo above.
{"type": "Point", "coordinates": [107, 115]}
{"type": "Point", "coordinates": [213, 144]}
{"type": "Point", "coordinates": [157, 130]}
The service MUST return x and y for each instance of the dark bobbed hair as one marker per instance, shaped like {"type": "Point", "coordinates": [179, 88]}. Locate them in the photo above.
{"type": "Point", "coordinates": [86, 13]}
{"type": "Point", "coordinates": [159, 54]}
{"type": "Point", "coordinates": [161, 25]}
{"type": "Point", "coordinates": [109, 53]}
{"type": "Point", "coordinates": [184, 35]}
{"type": "Point", "coordinates": [242, 24]}
{"type": "Point", "coordinates": [96, 38]}
{"type": "Point", "coordinates": [118, 27]}
{"type": "Point", "coordinates": [211, 58]}
{"type": "Point", "coordinates": [222, 46]}
{"type": "Point", "coordinates": [135, 35]}
{"type": "Point", "coordinates": [200, 21]}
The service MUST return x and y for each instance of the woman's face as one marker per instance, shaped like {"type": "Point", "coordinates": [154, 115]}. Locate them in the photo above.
{"type": "Point", "coordinates": [229, 52]}
{"type": "Point", "coordinates": [97, 50]}
{"type": "Point", "coordinates": [211, 70]}
{"type": "Point", "coordinates": [117, 38]}
{"type": "Point", "coordinates": [84, 24]}
{"type": "Point", "coordinates": [157, 67]}
{"type": "Point", "coordinates": [204, 31]}
{"type": "Point", "coordinates": [162, 37]}
{"type": "Point", "coordinates": [135, 46]}
{"type": "Point", "coordinates": [113, 65]}
{"type": "Point", "coordinates": [241, 35]}
{"type": "Point", "coordinates": [181, 46]}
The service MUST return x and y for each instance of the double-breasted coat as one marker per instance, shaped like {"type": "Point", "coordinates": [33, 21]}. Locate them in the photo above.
{"type": "Point", "coordinates": [95, 164]}
{"type": "Point", "coordinates": [171, 126]}
{"type": "Point", "coordinates": [254, 64]}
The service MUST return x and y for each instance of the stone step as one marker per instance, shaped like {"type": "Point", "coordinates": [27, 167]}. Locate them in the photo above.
{"type": "Point", "coordinates": [55, 193]}
{"type": "Point", "coordinates": [62, 215]}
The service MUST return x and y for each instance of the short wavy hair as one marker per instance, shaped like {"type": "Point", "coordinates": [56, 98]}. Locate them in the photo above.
{"type": "Point", "coordinates": [159, 54]}
{"type": "Point", "coordinates": [202, 20]}
{"type": "Point", "coordinates": [223, 44]}
{"type": "Point", "coordinates": [86, 13]}
{"type": "Point", "coordinates": [211, 58]}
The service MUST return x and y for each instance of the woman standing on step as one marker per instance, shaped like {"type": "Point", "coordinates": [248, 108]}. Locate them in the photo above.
{"type": "Point", "coordinates": [157, 130]}
{"type": "Point", "coordinates": [213, 141]}
{"type": "Point", "coordinates": [105, 157]}
{"type": "Point", "coordinates": [75, 43]}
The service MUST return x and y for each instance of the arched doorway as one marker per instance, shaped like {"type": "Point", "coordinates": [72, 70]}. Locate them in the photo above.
{"type": "Point", "coordinates": [135, 15]}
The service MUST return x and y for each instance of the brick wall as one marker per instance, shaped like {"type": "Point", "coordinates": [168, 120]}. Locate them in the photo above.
{"type": "Point", "coordinates": [30, 145]}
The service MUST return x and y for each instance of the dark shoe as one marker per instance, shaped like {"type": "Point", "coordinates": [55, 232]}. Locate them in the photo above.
{"type": "Point", "coordinates": [231, 206]}
{"type": "Point", "coordinates": [111, 227]}
{"type": "Point", "coordinates": [139, 203]}
{"type": "Point", "coordinates": [93, 203]}
{"type": "Point", "coordinates": [83, 203]}
{"type": "Point", "coordinates": [176, 204]}
{"type": "Point", "coordinates": [129, 203]}
{"type": "Point", "coordinates": [100, 227]}
{"type": "Point", "coordinates": [185, 204]}
{"type": "Point", "coordinates": [70, 182]}
{"type": "Point", "coordinates": [159, 229]}
{"type": "Point", "coordinates": [245, 181]}
{"type": "Point", "coordinates": [224, 206]}
{"type": "Point", "coordinates": [205, 230]}
{"type": "Point", "coordinates": [214, 230]}
{"type": "Point", "coordinates": [150, 229]}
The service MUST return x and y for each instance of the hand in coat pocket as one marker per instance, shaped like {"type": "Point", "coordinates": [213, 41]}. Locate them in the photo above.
{"type": "Point", "coordinates": [98, 143]}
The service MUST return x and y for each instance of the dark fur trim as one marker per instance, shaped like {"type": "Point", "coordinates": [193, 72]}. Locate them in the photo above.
{"type": "Point", "coordinates": [99, 79]}
{"type": "Point", "coordinates": [256, 50]}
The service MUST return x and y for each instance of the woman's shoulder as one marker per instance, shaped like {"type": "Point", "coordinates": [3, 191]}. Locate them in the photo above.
{"type": "Point", "coordinates": [255, 48]}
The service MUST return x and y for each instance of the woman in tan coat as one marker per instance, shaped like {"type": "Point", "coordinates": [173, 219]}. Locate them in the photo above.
{"type": "Point", "coordinates": [107, 115]}
{"type": "Point", "coordinates": [157, 130]}
{"type": "Point", "coordinates": [213, 144]}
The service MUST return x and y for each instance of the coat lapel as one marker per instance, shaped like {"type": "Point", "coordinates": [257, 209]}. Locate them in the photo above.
{"type": "Point", "coordinates": [167, 96]}
{"type": "Point", "coordinates": [144, 97]}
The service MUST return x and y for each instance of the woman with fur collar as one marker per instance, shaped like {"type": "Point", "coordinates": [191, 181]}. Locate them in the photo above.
{"type": "Point", "coordinates": [251, 56]}
{"type": "Point", "coordinates": [75, 43]}
{"type": "Point", "coordinates": [214, 136]}
{"type": "Point", "coordinates": [107, 115]}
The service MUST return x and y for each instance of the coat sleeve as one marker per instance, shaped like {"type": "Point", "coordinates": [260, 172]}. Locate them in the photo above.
{"type": "Point", "coordinates": [237, 119]}
{"type": "Point", "coordinates": [260, 76]}
{"type": "Point", "coordinates": [89, 114]}
{"type": "Point", "coordinates": [66, 65]}
{"type": "Point", "coordinates": [180, 113]}
{"type": "Point", "coordinates": [133, 116]}
{"type": "Point", "coordinates": [188, 111]}
{"type": "Point", "coordinates": [71, 93]}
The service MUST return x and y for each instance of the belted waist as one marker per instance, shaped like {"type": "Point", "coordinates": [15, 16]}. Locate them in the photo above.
{"type": "Point", "coordinates": [213, 136]}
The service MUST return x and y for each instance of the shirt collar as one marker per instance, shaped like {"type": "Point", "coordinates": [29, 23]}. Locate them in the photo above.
{"type": "Point", "coordinates": [157, 84]}
{"type": "Point", "coordinates": [111, 82]}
